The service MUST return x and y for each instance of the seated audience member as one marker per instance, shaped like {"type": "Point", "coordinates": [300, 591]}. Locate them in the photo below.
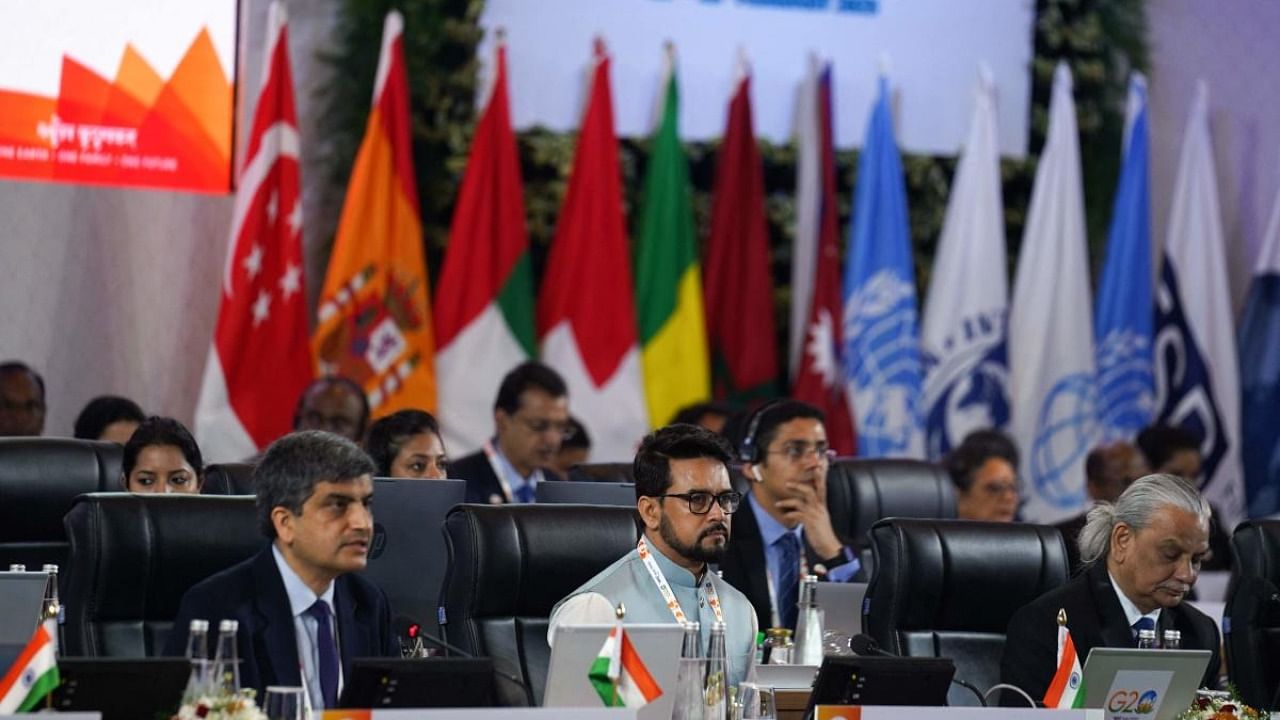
{"type": "Point", "coordinates": [21, 400]}
{"type": "Point", "coordinates": [1108, 470]}
{"type": "Point", "coordinates": [1176, 451]}
{"type": "Point", "coordinates": [984, 470]}
{"type": "Point", "coordinates": [109, 418]}
{"type": "Point", "coordinates": [574, 449]}
{"type": "Point", "coordinates": [685, 503]}
{"type": "Point", "coordinates": [1142, 557]}
{"type": "Point", "coordinates": [710, 415]}
{"type": "Point", "coordinates": [304, 612]}
{"type": "Point", "coordinates": [531, 420]}
{"type": "Point", "coordinates": [162, 457]}
{"type": "Point", "coordinates": [333, 404]}
{"type": "Point", "coordinates": [785, 532]}
{"type": "Point", "coordinates": [407, 444]}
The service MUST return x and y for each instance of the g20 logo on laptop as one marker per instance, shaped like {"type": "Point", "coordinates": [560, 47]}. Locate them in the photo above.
{"type": "Point", "coordinates": [1133, 702]}
{"type": "Point", "coordinates": [379, 543]}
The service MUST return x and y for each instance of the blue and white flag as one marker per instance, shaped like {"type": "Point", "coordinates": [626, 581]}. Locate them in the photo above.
{"type": "Point", "coordinates": [1051, 363]}
{"type": "Point", "coordinates": [1125, 309]}
{"type": "Point", "coordinates": [1260, 377]}
{"type": "Point", "coordinates": [1196, 367]}
{"type": "Point", "coordinates": [963, 336]}
{"type": "Point", "coordinates": [882, 368]}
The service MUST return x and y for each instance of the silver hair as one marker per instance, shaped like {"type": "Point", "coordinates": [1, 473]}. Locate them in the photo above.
{"type": "Point", "coordinates": [1134, 508]}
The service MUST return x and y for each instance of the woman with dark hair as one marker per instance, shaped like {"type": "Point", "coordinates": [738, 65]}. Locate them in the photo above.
{"type": "Point", "coordinates": [162, 457]}
{"type": "Point", "coordinates": [109, 417]}
{"type": "Point", "coordinates": [407, 444]}
{"type": "Point", "coordinates": [984, 470]}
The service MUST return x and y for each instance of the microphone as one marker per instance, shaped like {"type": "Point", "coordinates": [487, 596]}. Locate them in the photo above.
{"type": "Point", "coordinates": [407, 627]}
{"type": "Point", "coordinates": [862, 644]}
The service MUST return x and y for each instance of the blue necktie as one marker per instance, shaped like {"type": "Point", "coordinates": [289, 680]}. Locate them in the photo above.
{"type": "Point", "coordinates": [525, 493]}
{"type": "Point", "coordinates": [1143, 623]}
{"type": "Point", "coordinates": [327, 649]}
{"type": "Point", "coordinates": [788, 578]}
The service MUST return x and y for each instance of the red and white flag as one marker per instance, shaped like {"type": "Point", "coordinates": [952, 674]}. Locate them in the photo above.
{"type": "Point", "coordinates": [260, 359]}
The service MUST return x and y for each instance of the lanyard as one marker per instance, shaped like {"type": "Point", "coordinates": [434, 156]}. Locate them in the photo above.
{"type": "Point", "coordinates": [491, 454]}
{"type": "Point", "coordinates": [673, 605]}
{"type": "Point", "coordinates": [774, 616]}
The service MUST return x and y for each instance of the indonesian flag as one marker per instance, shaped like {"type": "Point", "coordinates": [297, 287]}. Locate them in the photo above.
{"type": "Point", "coordinates": [484, 301]}
{"type": "Point", "coordinates": [34, 675]}
{"type": "Point", "coordinates": [619, 675]}
{"type": "Point", "coordinates": [586, 315]}
{"type": "Point", "coordinates": [1066, 690]}
{"type": "Point", "coordinates": [259, 362]}
{"type": "Point", "coordinates": [374, 323]}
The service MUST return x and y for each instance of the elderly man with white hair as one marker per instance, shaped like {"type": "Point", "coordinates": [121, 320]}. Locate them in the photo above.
{"type": "Point", "coordinates": [1142, 555]}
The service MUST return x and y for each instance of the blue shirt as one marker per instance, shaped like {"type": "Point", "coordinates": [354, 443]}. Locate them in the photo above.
{"type": "Point", "coordinates": [771, 530]}
{"type": "Point", "coordinates": [512, 477]}
{"type": "Point", "coordinates": [301, 598]}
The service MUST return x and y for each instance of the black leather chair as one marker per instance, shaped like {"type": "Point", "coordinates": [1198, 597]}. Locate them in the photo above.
{"type": "Point", "coordinates": [135, 557]}
{"type": "Point", "coordinates": [863, 492]}
{"type": "Point", "coordinates": [228, 479]}
{"type": "Point", "coordinates": [508, 567]}
{"type": "Point", "coordinates": [1251, 621]}
{"type": "Point", "coordinates": [39, 480]}
{"type": "Point", "coordinates": [947, 588]}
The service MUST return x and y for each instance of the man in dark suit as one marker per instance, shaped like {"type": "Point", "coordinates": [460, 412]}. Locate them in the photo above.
{"type": "Point", "coordinates": [531, 417]}
{"type": "Point", "coordinates": [1108, 470]}
{"type": "Point", "coordinates": [1143, 555]}
{"type": "Point", "coordinates": [785, 531]}
{"type": "Point", "coordinates": [302, 615]}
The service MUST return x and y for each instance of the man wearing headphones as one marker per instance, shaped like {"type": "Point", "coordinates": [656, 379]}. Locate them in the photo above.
{"type": "Point", "coordinates": [787, 533]}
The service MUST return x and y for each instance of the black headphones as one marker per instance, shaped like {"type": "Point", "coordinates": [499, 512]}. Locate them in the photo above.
{"type": "Point", "coordinates": [748, 450]}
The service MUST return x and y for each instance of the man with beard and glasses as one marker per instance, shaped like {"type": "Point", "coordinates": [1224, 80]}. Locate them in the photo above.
{"type": "Point", "coordinates": [1142, 555]}
{"type": "Point", "coordinates": [685, 503]}
{"type": "Point", "coordinates": [304, 612]}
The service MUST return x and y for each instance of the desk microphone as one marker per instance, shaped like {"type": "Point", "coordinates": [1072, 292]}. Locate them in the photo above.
{"type": "Point", "coordinates": [862, 644]}
{"type": "Point", "coordinates": [409, 629]}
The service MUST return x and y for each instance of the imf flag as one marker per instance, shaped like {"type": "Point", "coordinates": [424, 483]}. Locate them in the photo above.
{"type": "Point", "coordinates": [1260, 376]}
{"type": "Point", "coordinates": [881, 343]}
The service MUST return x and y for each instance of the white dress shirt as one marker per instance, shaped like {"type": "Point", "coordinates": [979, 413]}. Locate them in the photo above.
{"type": "Point", "coordinates": [301, 598]}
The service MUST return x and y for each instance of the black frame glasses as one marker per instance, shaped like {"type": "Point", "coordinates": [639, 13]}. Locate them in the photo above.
{"type": "Point", "coordinates": [729, 500]}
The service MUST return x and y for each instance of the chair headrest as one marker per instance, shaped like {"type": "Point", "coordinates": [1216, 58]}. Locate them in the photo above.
{"type": "Point", "coordinates": [961, 575]}
{"type": "Point", "coordinates": [41, 477]}
{"type": "Point", "coordinates": [861, 492]}
{"type": "Point", "coordinates": [520, 560]}
{"type": "Point", "coordinates": [228, 479]}
{"type": "Point", "coordinates": [1256, 545]}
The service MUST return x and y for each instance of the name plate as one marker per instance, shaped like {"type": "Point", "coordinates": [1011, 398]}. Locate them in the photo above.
{"type": "Point", "coordinates": [884, 712]}
{"type": "Point", "coordinates": [467, 714]}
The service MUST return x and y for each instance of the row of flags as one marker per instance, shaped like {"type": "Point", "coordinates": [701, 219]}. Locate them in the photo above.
{"type": "Point", "coordinates": [642, 329]}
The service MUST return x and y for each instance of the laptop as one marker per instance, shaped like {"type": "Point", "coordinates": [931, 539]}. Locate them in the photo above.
{"type": "Point", "coordinates": [577, 646]}
{"type": "Point", "coordinates": [587, 493]}
{"type": "Point", "coordinates": [122, 689]}
{"type": "Point", "coordinates": [1129, 680]}
{"type": "Point", "coordinates": [21, 602]}
{"type": "Point", "coordinates": [881, 680]}
{"type": "Point", "coordinates": [419, 683]}
{"type": "Point", "coordinates": [408, 557]}
{"type": "Point", "coordinates": [841, 604]}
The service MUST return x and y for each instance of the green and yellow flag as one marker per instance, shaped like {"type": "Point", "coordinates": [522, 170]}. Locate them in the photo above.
{"type": "Point", "coordinates": [673, 336]}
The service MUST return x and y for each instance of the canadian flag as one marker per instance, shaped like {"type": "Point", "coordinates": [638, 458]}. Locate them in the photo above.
{"type": "Point", "coordinates": [260, 359]}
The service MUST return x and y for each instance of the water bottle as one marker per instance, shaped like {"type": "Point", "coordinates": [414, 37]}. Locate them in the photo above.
{"type": "Point", "coordinates": [690, 676]}
{"type": "Point", "coordinates": [198, 653]}
{"type": "Point", "coordinates": [1172, 639]}
{"type": "Point", "coordinates": [52, 607]}
{"type": "Point", "coordinates": [716, 703]}
{"type": "Point", "coordinates": [226, 661]}
{"type": "Point", "coordinates": [1146, 639]}
{"type": "Point", "coordinates": [778, 647]}
{"type": "Point", "coordinates": [17, 567]}
{"type": "Point", "coordinates": [808, 624]}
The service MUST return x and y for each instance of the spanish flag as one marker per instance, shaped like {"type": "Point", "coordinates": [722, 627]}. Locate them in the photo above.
{"type": "Point", "coordinates": [374, 323]}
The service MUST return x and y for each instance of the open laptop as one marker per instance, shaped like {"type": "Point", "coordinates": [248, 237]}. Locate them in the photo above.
{"type": "Point", "coordinates": [587, 493]}
{"type": "Point", "coordinates": [1128, 680]}
{"type": "Point", "coordinates": [577, 646]}
{"type": "Point", "coordinates": [121, 689]}
{"type": "Point", "coordinates": [21, 600]}
{"type": "Point", "coordinates": [841, 604]}
{"type": "Point", "coordinates": [408, 557]}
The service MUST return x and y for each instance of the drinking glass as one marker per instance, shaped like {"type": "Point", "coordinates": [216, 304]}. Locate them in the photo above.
{"type": "Point", "coordinates": [283, 703]}
{"type": "Point", "coordinates": [757, 702]}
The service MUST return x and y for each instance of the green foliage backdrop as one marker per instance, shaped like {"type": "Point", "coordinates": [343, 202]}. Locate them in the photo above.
{"type": "Point", "coordinates": [1101, 39]}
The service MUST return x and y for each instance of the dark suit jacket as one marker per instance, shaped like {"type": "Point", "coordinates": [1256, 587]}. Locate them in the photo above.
{"type": "Point", "coordinates": [1095, 619]}
{"type": "Point", "coordinates": [482, 483]}
{"type": "Point", "coordinates": [743, 565]}
{"type": "Point", "coordinates": [253, 593]}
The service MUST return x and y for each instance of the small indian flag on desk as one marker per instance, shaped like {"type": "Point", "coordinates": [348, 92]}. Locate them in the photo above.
{"type": "Point", "coordinates": [34, 675]}
{"type": "Point", "coordinates": [619, 675]}
{"type": "Point", "coordinates": [1066, 690]}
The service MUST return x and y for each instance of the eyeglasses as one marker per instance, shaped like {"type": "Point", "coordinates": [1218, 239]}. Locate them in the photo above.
{"type": "Point", "coordinates": [999, 489]}
{"type": "Point", "coordinates": [798, 450]}
{"type": "Point", "coordinates": [700, 501]}
{"type": "Point", "coordinates": [538, 426]}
